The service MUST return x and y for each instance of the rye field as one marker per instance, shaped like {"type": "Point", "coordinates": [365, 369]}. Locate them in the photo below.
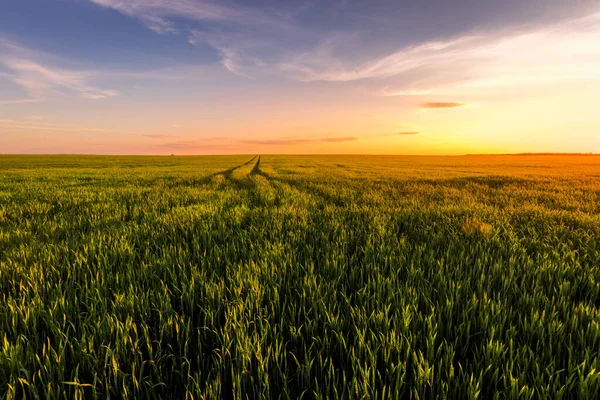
{"type": "Point", "coordinates": [267, 277]}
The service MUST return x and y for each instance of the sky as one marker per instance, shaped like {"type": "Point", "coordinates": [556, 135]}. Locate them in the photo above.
{"type": "Point", "coordinates": [308, 77]}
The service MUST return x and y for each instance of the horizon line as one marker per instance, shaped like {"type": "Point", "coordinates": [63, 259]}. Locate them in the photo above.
{"type": "Point", "coordinates": [299, 154]}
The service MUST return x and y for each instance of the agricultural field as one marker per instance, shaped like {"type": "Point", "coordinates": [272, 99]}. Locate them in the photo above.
{"type": "Point", "coordinates": [300, 276]}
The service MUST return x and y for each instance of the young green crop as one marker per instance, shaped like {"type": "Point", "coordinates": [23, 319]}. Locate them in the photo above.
{"type": "Point", "coordinates": [305, 276]}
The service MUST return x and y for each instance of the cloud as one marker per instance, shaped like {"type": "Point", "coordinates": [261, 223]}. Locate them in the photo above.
{"type": "Point", "coordinates": [441, 105]}
{"type": "Point", "coordinates": [564, 52]}
{"type": "Point", "coordinates": [33, 124]}
{"type": "Point", "coordinates": [36, 118]}
{"type": "Point", "coordinates": [268, 42]}
{"type": "Point", "coordinates": [283, 142]}
{"type": "Point", "coordinates": [209, 143]}
{"type": "Point", "coordinates": [157, 15]}
{"type": "Point", "coordinates": [22, 101]}
{"type": "Point", "coordinates": [231, 143]}
{"type": "Point", "coordinates": [174, 73]}
{"type": "Point", "coordinates": [233, 50]}
{"type": "Point", "coordinates": [38, 79]}
{"type": "Point", "coordinates": [159, 136]}
{"type": "Point", "coordinates": [25, 68]}
{"type": "Point", "coordinates": [276, 142]}
{"type": "Point", "coordinates": [339, 139]}
{"type": "Point", "coordinates": [322, 65]}
{"type": "Point", "coordinates": [401, 133]}
{"type": "Point", "coordinates": [245, 38]}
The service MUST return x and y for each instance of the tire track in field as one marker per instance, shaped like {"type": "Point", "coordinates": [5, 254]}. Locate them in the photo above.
{"type": "Point", "coordinates": [226, 173]}
{"type": "Point", "coordinates": [256, 170]}
{"type": "Point", "coordinates": [244, 182]}
{"type": "Point", "coordinates": [299, 186]}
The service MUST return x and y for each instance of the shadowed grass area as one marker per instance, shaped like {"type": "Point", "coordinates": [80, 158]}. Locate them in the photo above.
{"type": "Point", "coordinates": [280, 276]}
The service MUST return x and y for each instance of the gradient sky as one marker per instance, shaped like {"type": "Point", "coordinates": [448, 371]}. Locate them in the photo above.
{"type": "Point", "coordinates": [283, 76]}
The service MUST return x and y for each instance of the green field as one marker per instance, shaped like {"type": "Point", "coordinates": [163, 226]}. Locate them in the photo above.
{"type": "Point", "coordinates": [288, 276]}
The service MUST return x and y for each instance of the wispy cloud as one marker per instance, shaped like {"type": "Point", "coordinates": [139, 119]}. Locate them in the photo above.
{"type": "Point", "coordinates": [208, 143]}
{"type": "Point", "coordinates": [321, 65]}
{"type": "Point", "coordinates": [283, 142]}
{"type": "Point", "coordinates": [159, 136]}
{"type": "Point", "coordinates": [234, 50]}
{"type": "Point", "coordinates": [157, 14]}
{"type": "Point", "coordinates": [32, 124]}
{"type": "Point", "coordinates": [37, 79]}
{"type": "Point", "coordinates": [26, 68]}
{"type": "Point", "coordinates": [276, 142]}
{"type": "Point", "coordinates": [441, 105]}
{"type": "Point", "coordinates": [245, 38]}
{"type": "Point", "coordinates": [22, 101]}
{"type": "Point", "coordinates": [251, 42]}
{"type": "Point", "coordinates": [401, 133]}
{"type": "Point", "coordinates": [339, 139]}
{"type": "Point", "coordinates": [563, 52]}
{"type": "Point", "coordinates": [230, 143]}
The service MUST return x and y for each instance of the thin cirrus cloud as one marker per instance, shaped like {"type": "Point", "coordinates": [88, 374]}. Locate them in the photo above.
{"type": "Point", "coordinates": [321, 64]}
{"type": "Point", "coordinates": [242, 36]}
{"type": "Point", "coordinates": [32, 124]}
{"type": "Point", "coordinates": [216, 143]}
{"type": "Point", "coordinates": [157, 14]}
{"type": "Point", "coordinates": [565, 52]}
{"type": "Point", "coordinates": [159, 136]}
{"type": "Point", "coordinates": [284, 142]}
{"type": "Point", "coordinates": [235, 50]}
{"type": "Point", "coordinates": [38, 79]}
{"type": "Point", "coordinates": [229, 142]}
{"type": "Point", "coordinates": [261, 41]}
{"type": "Point", "coordinates": [339, 139]}
{"type": "Point", "coordinates": [401, 133]}
{"type": "Point", "coordinates": [437, 104]}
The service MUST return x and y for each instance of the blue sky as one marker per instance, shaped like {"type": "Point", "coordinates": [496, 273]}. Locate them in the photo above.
{"type": "Point", "coordinates": [154, 76]}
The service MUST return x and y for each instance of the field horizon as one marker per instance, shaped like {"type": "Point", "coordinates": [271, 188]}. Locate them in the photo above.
{"type": "Point", "coordinates": [295, 154]}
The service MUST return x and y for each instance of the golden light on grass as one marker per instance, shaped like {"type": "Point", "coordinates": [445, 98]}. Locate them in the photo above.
{"type": "Point", "coordinates": [473, 226]}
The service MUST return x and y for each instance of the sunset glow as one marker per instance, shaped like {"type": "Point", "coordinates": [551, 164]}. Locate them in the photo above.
{"type": "Point", "coordinates": [350, 77]}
